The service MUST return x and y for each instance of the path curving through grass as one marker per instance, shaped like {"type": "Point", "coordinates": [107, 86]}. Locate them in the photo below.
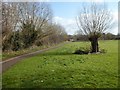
{"type": "Point", "coordinates": [60, 68]}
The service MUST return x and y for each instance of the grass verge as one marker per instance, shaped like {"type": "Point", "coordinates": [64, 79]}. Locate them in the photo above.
{"type": "Point", "coordinates": [9, 54]}
{"type": "Point", "coordinates": [60, 68]}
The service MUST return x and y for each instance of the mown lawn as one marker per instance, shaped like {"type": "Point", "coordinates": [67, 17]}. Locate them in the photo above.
{"type": "Point", "coordinates": [59, 68]}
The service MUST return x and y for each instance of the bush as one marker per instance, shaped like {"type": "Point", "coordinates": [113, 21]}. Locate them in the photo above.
{"type": "Point", "coordinates": [82, 50]}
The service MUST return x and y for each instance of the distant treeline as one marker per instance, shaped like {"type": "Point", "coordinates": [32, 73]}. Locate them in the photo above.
{"type": "Point", "coordinates": [79, 37]}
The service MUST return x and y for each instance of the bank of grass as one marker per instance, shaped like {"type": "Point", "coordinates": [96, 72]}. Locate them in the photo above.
{"type": "Point", "coordinates": [9, 54]}
{"type": "Point", "coordinates": [60, 68]}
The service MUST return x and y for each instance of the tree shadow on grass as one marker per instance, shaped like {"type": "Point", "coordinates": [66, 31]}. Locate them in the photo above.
{"type": "Point", "coordinates": [80, 51]}
{"type": "Point", "coordinates": [77, 52]}
{"type": "Point", "coordinates": [58, 53]}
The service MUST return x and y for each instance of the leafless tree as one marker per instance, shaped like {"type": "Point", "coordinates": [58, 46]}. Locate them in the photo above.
{"type": "Point", "coordinates": [25, 24]}
{"type": "Point", "coordinates": [56, 35]}
{"type": "Point", "coordinates": [94, 20]}
{"type": "Point", "coordinates": [9, 20]}
{"type": "Point", "coordinates": [36, 16]}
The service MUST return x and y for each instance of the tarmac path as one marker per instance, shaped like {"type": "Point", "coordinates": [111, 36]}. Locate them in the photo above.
{"type": "Point", "coordinates": [4, 65]}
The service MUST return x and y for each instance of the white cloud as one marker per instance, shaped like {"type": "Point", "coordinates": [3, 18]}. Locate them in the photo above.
{"type": "Point", "coordinates": [68, 24]}
{"type": "Point", "coordinates": [71, 26]}
{"type": "Point", "coordinates": [115, 16]}
{"type": "Point", "coordinates": [114, 30]}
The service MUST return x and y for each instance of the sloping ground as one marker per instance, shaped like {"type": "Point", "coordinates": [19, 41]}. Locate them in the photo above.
{"type": "Point", "coordinates": [59, 68]}
{"type": "Point", "coordinates": [9, 62]}
{"type": "Point", "coordinates": [11, 54]}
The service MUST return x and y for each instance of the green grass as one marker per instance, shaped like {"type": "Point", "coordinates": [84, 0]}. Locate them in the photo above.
{"type": "Point", "coordinates": [9, 54]}
{"type": "Point", "coordinates": [59, 68]}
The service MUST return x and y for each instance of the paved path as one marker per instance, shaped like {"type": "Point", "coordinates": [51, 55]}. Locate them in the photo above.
{"type": "Point", "coordinates": [9, 62]}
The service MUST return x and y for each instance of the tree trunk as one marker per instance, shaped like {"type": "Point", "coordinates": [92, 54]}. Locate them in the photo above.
{"type": "Point", "coordinates": [94, 44]}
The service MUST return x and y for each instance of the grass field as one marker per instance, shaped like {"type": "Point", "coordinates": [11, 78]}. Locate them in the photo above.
{"type": "Point", "coordinates": [59, 68]}
{"type": "Point", "coordinates": [9, 54]}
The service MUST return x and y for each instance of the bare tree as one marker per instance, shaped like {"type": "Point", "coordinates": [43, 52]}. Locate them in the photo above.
{"type": "Point", "coordinates": [34, 18]}
{"type": "Point", "coordinates": [92, 21]}
{"type": "Point", "coordinates": [9, 22]}
{"type": "Point", "coordinates": [35, 13]}
{"type": "Point", "coordinates": [25, 24]}
{"type": "Point", "coordinates": [56, 34]}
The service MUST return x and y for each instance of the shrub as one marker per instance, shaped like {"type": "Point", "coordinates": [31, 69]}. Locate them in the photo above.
{"type": "Point", "coordinates": [82, 50]}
